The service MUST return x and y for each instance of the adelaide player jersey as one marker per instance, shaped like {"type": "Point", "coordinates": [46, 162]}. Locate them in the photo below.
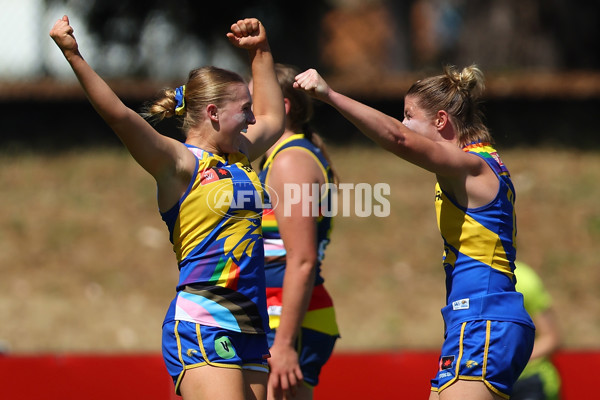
{"type": "Point", "coordinates": [216, 233]}
{"type": "Point", "coordinates": [320, 315]}
{"type": "Point", "coordinates": [480, 250]}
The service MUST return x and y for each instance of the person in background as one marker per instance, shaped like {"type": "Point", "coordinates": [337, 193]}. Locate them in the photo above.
{"type": "Point", "coordinates": [214, 332]}
{"type": "Point", "coordinates": [540, 380]}
{"type": "Point", "coordinates": [488, 334]}
{"type": "Point", "coordinates": [301, 313]}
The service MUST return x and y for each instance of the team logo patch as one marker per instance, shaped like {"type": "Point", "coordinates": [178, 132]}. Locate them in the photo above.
{"type": "Point", "coordinates": [214, 174]}
{"type": "Point", "coordinates": [224, 348]}
{"type": "Point", "coordinates": [191, 352]}
{"type": "Point", "coordinates": [462, 304]}
{"type": "Point", "coordinates": [446, 362]}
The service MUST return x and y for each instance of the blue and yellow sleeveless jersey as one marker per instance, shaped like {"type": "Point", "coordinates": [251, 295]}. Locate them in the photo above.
{"type": "Point", "coordinates": [216, 233]}
{"type": "Point", "coordinates": [320, 315]}
{"type": "Point", "coordinates": [479, 252]}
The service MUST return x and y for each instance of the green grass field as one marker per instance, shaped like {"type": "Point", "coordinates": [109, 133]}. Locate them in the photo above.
{"type": "Point", "coordinates": [86, 265]}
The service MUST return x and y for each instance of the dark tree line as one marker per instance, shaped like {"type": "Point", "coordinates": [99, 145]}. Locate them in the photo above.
{"type": "Point", "coordinates": [292, 25]}
{"type": "Point", "coordinates": [498, 34]}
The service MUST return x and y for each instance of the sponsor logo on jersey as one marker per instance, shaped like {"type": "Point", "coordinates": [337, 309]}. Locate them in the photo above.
{"type": "Point", "coordinates": [446, 362]}
{"type": "Point", "coordinates": [214, 174]}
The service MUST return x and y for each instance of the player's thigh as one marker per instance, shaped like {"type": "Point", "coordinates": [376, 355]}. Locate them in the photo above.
{"type": "Point", "coordinates": [217, 383]}
{"type": "Point", "coordinates": [255, 383]}
{"type": "Point", "coordinates": [468, 390]}
{"type": "Point", "coordinates": [303, 392]}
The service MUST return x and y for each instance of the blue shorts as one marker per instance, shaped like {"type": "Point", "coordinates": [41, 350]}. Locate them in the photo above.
{"type": "Point", "coordinates": [493, 352]}
{"type": "Point", "coordinates": [187, 345]}
{"type": "Point", "coordinates": [314, 349]}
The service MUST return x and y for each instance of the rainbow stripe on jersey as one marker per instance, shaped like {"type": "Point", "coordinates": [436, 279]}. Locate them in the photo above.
{"type": "Point", "coordinates": [216, 233]}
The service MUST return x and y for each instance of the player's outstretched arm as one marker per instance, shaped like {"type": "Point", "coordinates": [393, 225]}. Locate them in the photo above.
{"type": "Point", "coordinates": [154, 152]}
{"type": "Point", "coordinates": [268, 105]}
{"type": "Point", "coordinates": [388, 132]}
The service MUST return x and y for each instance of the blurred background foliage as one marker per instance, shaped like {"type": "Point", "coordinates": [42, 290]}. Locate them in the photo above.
{"type": "Point", "coordinates": [351, 35]}
{"type": "Point", "coordinates": [540, 58]}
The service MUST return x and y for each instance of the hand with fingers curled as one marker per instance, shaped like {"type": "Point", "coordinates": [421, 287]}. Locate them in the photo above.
{"type": "Point", "coordinates": [248, 34]}
{"type": "Point", "coordinates": [313, 84]}
{"type": "Point", "coordinates": [62, 34]}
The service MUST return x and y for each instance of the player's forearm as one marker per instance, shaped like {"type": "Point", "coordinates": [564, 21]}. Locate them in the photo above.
{"type": "Point", "coordinates": [386, 131]}
{"type": "Point", "coordinates": [547, 339]}
{"type": "Point", "coordinates": [268, 105]}
{"type": "Point", "coordinates": [100, 95]}
{"type": "Point", "coordinates": [297, 291]}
